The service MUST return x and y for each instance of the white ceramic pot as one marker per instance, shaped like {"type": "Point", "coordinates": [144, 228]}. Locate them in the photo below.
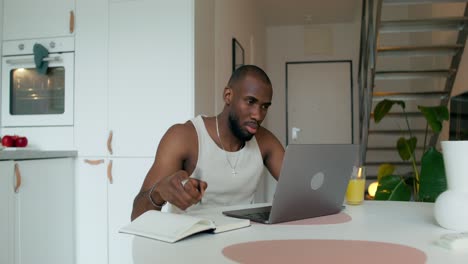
{"type": "Point", "coordinates": [450, 210]}
{"type": "Point", "coordinates": [456, 164]}
{"type": "Point", "coordinates": [450, 207]}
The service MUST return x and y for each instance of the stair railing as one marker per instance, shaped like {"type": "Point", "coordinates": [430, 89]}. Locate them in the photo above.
{"type": "Point", "coordinates": [370, 20]}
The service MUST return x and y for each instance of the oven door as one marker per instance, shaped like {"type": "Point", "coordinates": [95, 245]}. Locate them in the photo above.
{"type": "Point", "coordinates": [33, 99]}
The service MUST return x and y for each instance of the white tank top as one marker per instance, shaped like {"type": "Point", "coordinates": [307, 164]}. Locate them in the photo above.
{"type": "Point", "coordinates": [224, 187]}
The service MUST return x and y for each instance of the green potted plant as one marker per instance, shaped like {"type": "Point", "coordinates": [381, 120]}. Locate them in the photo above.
{"type": "Point", "coordinates": [430, 181]}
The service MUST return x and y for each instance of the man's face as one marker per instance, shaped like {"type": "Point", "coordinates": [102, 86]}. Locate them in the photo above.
{"type": "Point", "coordinates": [249, 104]}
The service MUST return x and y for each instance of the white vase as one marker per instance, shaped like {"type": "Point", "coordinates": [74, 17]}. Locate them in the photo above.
{"type": "Point", "coordinates": [450, 207]}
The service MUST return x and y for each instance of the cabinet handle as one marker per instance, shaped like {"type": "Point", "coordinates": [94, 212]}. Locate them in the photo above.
{"type": "Point", "coordinates": [72, 21]}
{"type": "Point", "coordinates": [109, 172]}
{"type": "Point", "coordinates": [109, 142]}
{"type": "Point", "coordinates": [94, 162]}
{"type": "Point", "coordinates": [18, 178]}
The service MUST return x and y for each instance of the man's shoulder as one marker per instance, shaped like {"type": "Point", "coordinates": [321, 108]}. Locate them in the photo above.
{"type": "Point", "coordinates": [179, 143]}
{"type": "Point", "coordinates": [265, 136]}
{"type": "Point", "coordinates": [271, 148]}
{"type": "Point", "coordinates": [182, 131]}
{"type": "Point", "coordinates": [263, 133]}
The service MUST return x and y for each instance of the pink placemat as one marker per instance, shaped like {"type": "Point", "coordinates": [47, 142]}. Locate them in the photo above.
{"type": "Point", "coordinates": [323, 251]}
{"type": "Point", "coordinates": [322, 220]}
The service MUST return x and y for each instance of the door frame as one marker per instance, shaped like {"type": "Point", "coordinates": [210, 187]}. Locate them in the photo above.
{"type": "Point", "coordinates": [321, 61]}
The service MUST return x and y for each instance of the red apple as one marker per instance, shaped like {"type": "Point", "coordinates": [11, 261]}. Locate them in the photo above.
{"type": "Point", "coordinates": [8, 141]}
{"type": "Point", "coordinates": [21, 142]}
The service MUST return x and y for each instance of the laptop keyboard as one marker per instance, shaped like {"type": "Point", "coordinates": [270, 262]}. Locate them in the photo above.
{"type": "Point", "coordinates": [260, 216]}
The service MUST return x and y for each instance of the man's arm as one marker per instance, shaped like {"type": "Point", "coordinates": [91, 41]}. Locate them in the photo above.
{"type": "Point", "coordinates": [167, 173]}
{"type": "Point", "coordinates": [272, 152]}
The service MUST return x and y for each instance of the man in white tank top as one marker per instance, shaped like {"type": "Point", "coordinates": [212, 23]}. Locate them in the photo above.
{"type": "Point", "coordinates": [216, 161]}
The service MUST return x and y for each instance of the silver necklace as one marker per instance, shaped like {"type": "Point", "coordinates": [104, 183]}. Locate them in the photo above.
{"type": "Point", "coordinates": [233, 168]}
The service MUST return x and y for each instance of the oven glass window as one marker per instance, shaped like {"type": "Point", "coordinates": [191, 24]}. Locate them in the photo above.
{"type": "Point", "coordinates": [36, 94]}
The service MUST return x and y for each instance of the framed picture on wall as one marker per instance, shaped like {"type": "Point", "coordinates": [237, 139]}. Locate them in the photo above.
{"type": "Point", "coordinates": [237, 54]}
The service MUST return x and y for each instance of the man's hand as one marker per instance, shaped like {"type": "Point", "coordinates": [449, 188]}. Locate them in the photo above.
{"type": "Point", "coordinates": [180, 190]}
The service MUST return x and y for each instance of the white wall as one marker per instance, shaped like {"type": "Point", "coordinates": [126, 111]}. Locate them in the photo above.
{"type": "Point", "coordinates": [296, 43]}
{"type": "Point", "coordinates": [287, 44]}
{"type": "Point", "coordinates": [238, 19]}
{"type": "Point", "coordinates": [216, 23]}
{"type": "Point", "coordinates": [204, 57]}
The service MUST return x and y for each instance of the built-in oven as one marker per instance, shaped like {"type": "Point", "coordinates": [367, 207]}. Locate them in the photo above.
{"type": "Point", "coordinates": [30, 98]}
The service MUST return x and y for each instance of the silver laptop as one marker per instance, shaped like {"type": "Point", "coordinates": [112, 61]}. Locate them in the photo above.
{"type": "Point", "coordinates": [312, 183]}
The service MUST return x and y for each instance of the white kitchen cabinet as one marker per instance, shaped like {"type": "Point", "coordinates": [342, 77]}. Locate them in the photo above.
{"type": "Point", "coordinates": [30, 19]}
{"type": "Point", "coordinates": [7, 212]}
{"type": "Point", "coordinates": [91, 89]}
{"type": "Point", "coordinates": [41, 213]}
{"type": "Point", "coordinates": [103, 207]}
{"type": "Point", "coordinates": [91, 211]}
{"type": "Point", "coordinates": [151, 79]}
{"type": "Point", "coordinates": [128, 175]}
{"type": "Point", "coordinates": [134, 74]}
{"type": "Point", "coordinates": [134, 77]}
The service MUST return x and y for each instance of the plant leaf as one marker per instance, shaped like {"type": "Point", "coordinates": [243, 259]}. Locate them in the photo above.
{"type": "Point", "coordinates": [393, 188]}
{"type": "Point", "coordinates": [406, 147]}
{"type": "Point", "coordinates": [435, 115]}
{"type": "Point", "coordinates": [384, 170]}
{"type": "Point", "coordinates": [383, 107]}
{"type": "Point", "coordinates": [432, 180]}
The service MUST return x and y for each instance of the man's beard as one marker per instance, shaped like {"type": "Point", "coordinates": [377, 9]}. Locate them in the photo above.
{"type": "Point", "coordinates": [237, 129]}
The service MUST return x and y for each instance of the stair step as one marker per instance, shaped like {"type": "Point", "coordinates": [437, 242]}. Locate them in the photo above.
{"type": "Point", "coordinates": [379, 96]}
{"type": "Point", "coordinates": [373, 177]}
{"type": "Point", "coordinates": [397, 132]}
{"type": "Point", "coordinates": [423, 25]}
{"type": "Point", "coordinates": [412, 2]}
{"type": "Point", "coordinates": [401, 114]}
{"type": "Point", "coordinates": [399, 75]}
{"type": "Point", "coordinates": [395, 163]}
{"type": "Point", "coordinates": [387, 148]}
{"type": "Point", "coordinates": [416, 51]}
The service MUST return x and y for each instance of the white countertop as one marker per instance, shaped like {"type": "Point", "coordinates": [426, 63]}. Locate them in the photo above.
{"type": "Point", "coordinates": [404, 223]}
{"type": "Point", "coordinates": [27, 154]}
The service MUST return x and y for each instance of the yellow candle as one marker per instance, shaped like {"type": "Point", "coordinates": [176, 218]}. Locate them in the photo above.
{"type": "Point", "coordinates": [355, 191]}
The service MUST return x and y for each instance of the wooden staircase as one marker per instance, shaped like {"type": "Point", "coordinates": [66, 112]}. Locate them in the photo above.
{"type": "Point", "coordinates": [410, 51]}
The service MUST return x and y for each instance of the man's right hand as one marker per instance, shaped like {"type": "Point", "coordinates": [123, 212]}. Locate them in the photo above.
{"type": "Point", "coordinates": [180, 190]}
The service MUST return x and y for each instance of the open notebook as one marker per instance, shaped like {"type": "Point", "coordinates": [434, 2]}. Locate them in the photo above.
{"type": "Point", "coordinates": [171, 228]}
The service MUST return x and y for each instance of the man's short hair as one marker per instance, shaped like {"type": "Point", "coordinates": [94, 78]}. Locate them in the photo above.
{"type": "Point", "coordinates": [241, 72]}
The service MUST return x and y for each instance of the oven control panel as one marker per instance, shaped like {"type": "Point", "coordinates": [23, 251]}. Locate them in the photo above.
{"type": "Point", "coordinates": [25, 47]}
